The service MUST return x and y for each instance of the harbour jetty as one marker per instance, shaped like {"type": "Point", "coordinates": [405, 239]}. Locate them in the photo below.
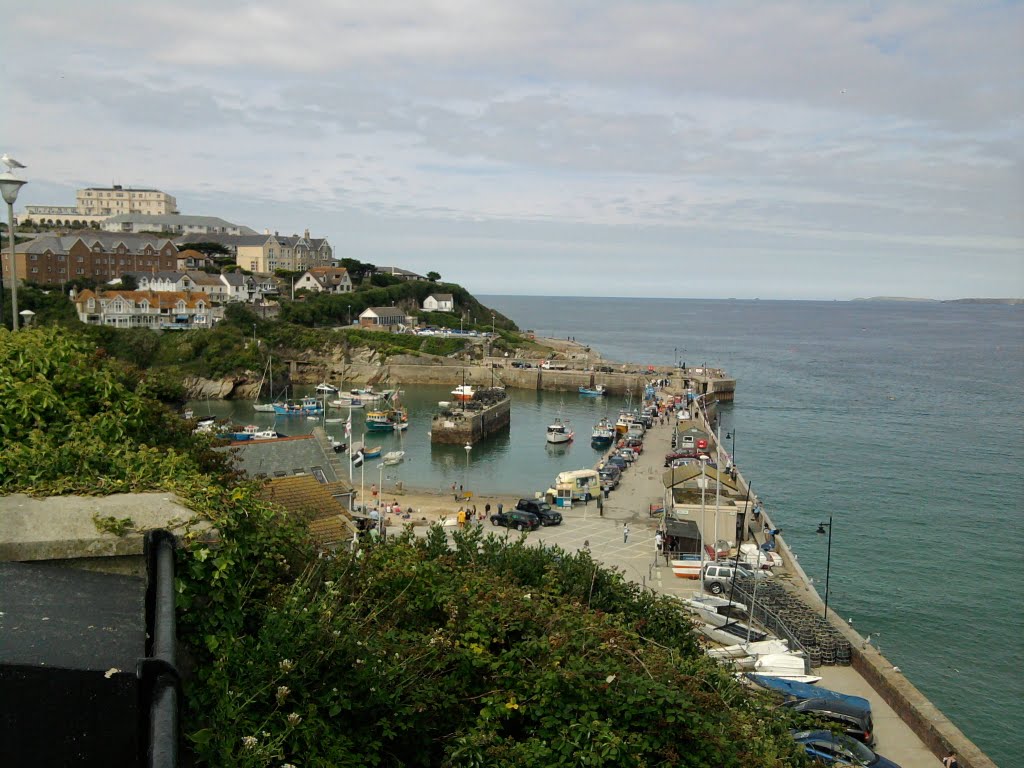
{"type": "Point", "coordinates": [467, 422]}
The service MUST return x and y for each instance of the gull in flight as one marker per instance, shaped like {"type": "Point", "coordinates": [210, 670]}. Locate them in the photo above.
{"type": "Point", "coordinates": [10, 162]}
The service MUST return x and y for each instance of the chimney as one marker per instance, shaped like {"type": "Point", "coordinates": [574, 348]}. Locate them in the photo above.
{"type": "Point", "coordinates": [266, 230]}
{"type": "Point", "coordinates": [306, 233]}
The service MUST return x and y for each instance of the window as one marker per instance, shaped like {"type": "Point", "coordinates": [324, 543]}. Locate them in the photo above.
{"type": "Point", "coordinates": [298, 471]}
{"type": "Point", "coordinates": [318, 473]}
{"type": "Point", "coordinates": [35, 269]}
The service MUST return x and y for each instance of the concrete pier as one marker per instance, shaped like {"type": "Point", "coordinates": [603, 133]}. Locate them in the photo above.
{"type": "Point", "coordinates": [467, 427]}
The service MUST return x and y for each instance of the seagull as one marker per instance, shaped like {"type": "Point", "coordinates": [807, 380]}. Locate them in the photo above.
{"type": "Point", "coordinates": [10, 162]}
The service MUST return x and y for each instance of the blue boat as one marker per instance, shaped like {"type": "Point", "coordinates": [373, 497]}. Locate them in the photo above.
{"type": "Point", "coordinates": [597, 391]}
{"type": "Point", "coordinates": [800, 690]}
{"type": "Point", "coordinates": [309, 406]}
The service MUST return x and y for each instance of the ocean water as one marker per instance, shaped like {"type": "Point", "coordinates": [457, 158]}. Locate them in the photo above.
{"type": "Point", "coordinates": [901, 421]}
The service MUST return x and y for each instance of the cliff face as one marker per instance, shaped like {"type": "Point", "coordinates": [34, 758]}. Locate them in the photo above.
{"type": "Point", "coordinates": [233, 388]}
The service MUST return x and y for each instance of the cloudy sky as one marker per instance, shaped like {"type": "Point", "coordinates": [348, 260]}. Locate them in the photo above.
{"type": "Point", "coordinates": [692, 149]}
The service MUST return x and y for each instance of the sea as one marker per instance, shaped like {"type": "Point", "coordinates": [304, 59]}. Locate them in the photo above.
{"type": "Point", "coordinates": [901, 422]}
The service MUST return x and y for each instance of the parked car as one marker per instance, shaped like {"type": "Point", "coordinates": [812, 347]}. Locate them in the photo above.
{"type": "Point", "coordinates": [855, 721]}
{"type": "Point", "coordinates": [520, 364]}
{"type": "Point", "coordinates": [829, 748]}
{"type": "Point", "coordinates": [610, 477]}
{"type": "Point", "coordinates": [617, 461]}
{"type": "Point", "coordinates": [718, 576]}
{"type": "Point", "coordinates": [628, 454]}
{"type": "Point", "coordinates": [604, 369]}
{"type": "Point", "coordinates": [683, 454]}
{"type": "Point", "coordinates": [635, 443]}
{"type": "Point", "coordinates": [516, 518]}
{"type": "Point", "coordinates": [541, 509]}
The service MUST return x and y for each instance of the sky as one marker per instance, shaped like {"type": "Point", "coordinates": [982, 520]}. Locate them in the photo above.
{"type": "Point", "coordinates": [775, 150]}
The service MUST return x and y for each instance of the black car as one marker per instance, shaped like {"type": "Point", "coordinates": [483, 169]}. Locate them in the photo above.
{"type": "Point", "coordinates": [829, 748]}
{"type": "Point", "coordinates": [617, 461]}
{"type": "Point", "coordinates": [854, 720]}
{"type": "Point", "coordinates": [516, 518]}
{"type": "Point", "coordinates": [541, 509]}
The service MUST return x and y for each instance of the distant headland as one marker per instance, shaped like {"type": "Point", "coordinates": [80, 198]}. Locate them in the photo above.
{"type": "Point", "coordinates": [943, 301]}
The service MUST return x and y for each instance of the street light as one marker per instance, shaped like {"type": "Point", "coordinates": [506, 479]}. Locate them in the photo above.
{"type": "Point", "coordinates": [828, 560]}
{"type": "Point", "coordinates": [10, 185]}
{"type": "Point", "coordinates": [465, 479]}
{"type": "Point", "coordinates": [731, 435]}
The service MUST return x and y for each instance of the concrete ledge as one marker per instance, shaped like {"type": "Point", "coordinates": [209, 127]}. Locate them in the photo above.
{"type": "Point", "coordinates": [61, 528]}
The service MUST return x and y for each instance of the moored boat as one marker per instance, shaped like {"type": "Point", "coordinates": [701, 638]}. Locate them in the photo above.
{"type": "Point", "coordinates": [463, 393]}
{"type": "Point", "coordinates": [305, 407]}
{"type": "Point", "coordinates": [393, 457]}
{"type": "Point", "coordinates": [326, 389]}
{"type": "Point", "coordinates": [597, 391]}
{"type": "Point", "coordinates": [603, 434]}
{"type": "Point", "coordinates": [799, 690]}
{"type": "Point", "coordinates": [559, 432]}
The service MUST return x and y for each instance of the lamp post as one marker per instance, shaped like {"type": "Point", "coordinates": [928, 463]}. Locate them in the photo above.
{"type": "Point", "coordinates": [254, 333]}
{"type": "Point", "coordinates": [492, 327]}
{"type": "Point", "coordinates": [731, 436]}
{"type": "Point", "coordinates": [10, 185]}
{"type": "Point", "coordinates": [828, 559]}
{"type": "Point", "coordinates": [465, 479]}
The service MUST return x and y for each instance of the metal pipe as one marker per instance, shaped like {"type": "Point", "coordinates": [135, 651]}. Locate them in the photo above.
{"type": "Point", "coordinates": [14, 271]}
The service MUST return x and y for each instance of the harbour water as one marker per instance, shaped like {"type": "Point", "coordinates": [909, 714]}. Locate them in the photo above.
{"type": "Point", "coordinates": [900, 421]}
{"type": "Point", "coordinates": [903, 421]}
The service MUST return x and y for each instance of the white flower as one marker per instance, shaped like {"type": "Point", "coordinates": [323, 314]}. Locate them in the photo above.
{"type": "Point", "coordinates": [282, 693]}
{"type": "Point", "coordinates": [249, 742]}
{"type": "Point", "coordinates": [294, 719]}
{"type": "Point", "coordinates": [286, 665]}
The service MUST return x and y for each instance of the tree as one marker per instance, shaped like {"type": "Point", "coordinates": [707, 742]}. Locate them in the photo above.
{"type": "Point", "coordinates": [209, 248]}
{"type": "Point", "coordinates": [358, 270]}
{"type": "Point", "coordinates": [433, 276]}
{"type": "Point", "coordinates": [129, 283]}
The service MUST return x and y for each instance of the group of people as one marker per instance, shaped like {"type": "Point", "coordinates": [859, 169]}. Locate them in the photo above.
{"type": "Point", "coordinates": [469, 514]}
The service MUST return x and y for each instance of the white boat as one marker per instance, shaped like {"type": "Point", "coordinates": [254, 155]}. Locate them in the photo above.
{"type": "Point", "coordinates": [463, 392]}
{"type": "Point", "coordinates": [748, 650]}
{"type": "Point", "coordinates": [266, 407]}
{"type": "Point", "coordinates": [559, 432]}
{"type": "Point", "coordinates": [732, 633]}
{"type": "Point", "coordinates": [324, 388]}
{"type": "Point", "coordinates": [393, 457]}
{"type": "Point", "coordinates": [401, 426]}
{"type": "Point", "coordinates": [346, 401]}
{"type": "Point", "coordinates": [755, 557]}
{"type": "Point", "coordinates": [790, 665]}
{"type": "Point", "coordinates": [717, 611]}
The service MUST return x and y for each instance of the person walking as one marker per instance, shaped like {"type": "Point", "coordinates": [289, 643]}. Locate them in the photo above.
{"type": "Point", "coordinates": [659, 541]}
{"type": "Point", "coordinates": [625, 533]}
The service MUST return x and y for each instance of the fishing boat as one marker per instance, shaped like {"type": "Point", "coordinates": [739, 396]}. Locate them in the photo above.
{"type": "Point", "coordinates": [372, 452]}
{"type": "Point", "coordinates": [393, 457]}
{"type": "Point", "coordinates": [603, 434]}
{"type": "Point", "coordinates": [386, 418]}
{"type": "Point", "coordinates": [252, 432]}
{"type": "Point", "coordinates": [324, 388]}
{"type": "Point", "coordinates": [463, 393]}
{"type": "Point", "coordinates": [401, 426]}
{"type": "Point", "coordinates": [559, 432]}
{"type": "Point", "coordinates": [307, 406]}
{"type": "Point", "coordinates": [368, 395]}
{"type": "Point", "coordinates": [597, 391]}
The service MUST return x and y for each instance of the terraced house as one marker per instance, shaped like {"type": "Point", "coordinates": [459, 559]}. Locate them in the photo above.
{"type": "Point", "coordinates": [263, 254]}
{"type": "Point", "coordinates": [158, 310]}
{"type": "Point", "coordinates": [55, 259]}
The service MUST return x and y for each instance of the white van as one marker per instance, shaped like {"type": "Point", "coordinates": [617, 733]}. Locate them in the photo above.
{"type": "Point", "coordinates": [584, 484]}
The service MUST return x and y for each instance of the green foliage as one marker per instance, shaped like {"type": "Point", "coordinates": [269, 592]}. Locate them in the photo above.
{"type": "Point", "coordinates": [433, 276]}
{"type": "Point", "coordinates": [73, 420]}
{"type": "Point", "coordinates": [209, 249]}
{"type": "Point", "coordinates": [129, 283]}
{"type": "Point", "coordinates": [114, 525]}
{"type": "Point", "coordinates": [491, 654]}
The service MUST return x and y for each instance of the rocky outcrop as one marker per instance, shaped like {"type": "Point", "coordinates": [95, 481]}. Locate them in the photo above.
{"type": "Point", "coordinates": [244, 387]}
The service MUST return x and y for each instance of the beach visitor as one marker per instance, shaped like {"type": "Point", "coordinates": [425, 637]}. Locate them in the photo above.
{"type": "Point", "coordinates": [500, 507]}
{"type": "Point", "coordinates": [586, 544]}
{"type": "Point", "coordinates": [487, 510]}
{"type": "Point", "coordinates": [462, 517]}
{"type": "Point", "coordinates": [950, 761]}
{"type": "Point", "coordinates": [659, 540]}
{"type": "Point", "coordinates": [373, 490]}
{"type": "Point", "coordinates": [625, 533]}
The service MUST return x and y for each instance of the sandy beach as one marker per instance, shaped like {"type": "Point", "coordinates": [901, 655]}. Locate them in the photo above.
{"type": "Point", "coordinates": [426, 507]}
